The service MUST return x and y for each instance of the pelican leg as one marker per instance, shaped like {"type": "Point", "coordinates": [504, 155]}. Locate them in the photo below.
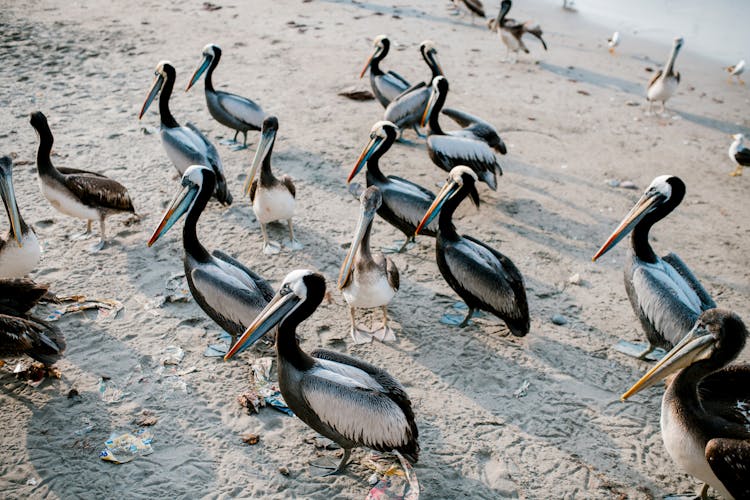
{"type": "Point", "coordinates": [269, 247]}
{"type": "Point", "coordinates": [406, 244]}
{"type": "Point", "coordinates": [737, 171]}
{"type": "Point", "coordinates": [102, 236]}
{"type": "Point", "coordinates": [359, 336]}
{"type": "Point", "coordinates": [385, 333]}
{"type": "Point", "coordinates": [240, 147]}
{"type": "Point", "coordinates": [230, 141]}
{"type": "Point", "coordinates": [419, 134]}
{"type": "Point", "coordinates": [465, 322]}
{"type": "Point", "coordinates": [335, 469]}
{"type": "Point", "coordinates": [293, 244]}
{"type": "Point", "coordinates": [84, 235]}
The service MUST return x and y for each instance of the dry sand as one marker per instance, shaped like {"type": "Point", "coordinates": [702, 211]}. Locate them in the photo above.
{"type": "Point", "coordinates": [572, 122]}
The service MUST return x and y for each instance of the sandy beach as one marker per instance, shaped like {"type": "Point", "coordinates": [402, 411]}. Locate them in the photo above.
{"type": "Point", "coordinates": [498, 416]}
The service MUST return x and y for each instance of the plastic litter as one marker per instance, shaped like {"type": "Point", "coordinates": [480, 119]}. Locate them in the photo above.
{"type": "Point", "coordinates": [262, 392]}
{"type": "Point", "coordinates": [521, 391]}
{"type": "Point", "coordinates": [109, 391]}
{"type": "Point", "coordinates": [173, 355]}
{"type": "Point", "coordinates": [124, 447]}
{"type": "Point", "coordinates": [397, 481]}
{"type": "Point", "coordinates": [108, 308]}
{"type": "Point", "coordinates": [220, 349]}
{"type": "Point", "coordinates": [457, 319]}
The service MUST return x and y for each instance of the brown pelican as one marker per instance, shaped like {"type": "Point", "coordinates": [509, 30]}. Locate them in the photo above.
{"type": "Point", "coordinates": [19, 251]}
{"type": "Point", "coordinates": [77, 193]}
{"type": "Point", "coordinates": [511, 31]}
{"type": "Point", "coordinates": [404, 202]}
{"type": "Point", "coordinates": [343, 398]}
{"type": "Point", "coordinates": [664, 293]}
{"type": "Point", "coordinates": [20, 332]}
{"type": "Point", "coordinates": [273, 199]}
{"type": "Point", "coordinates": [185, 146]}
{"type": "Point", "coordinates": [368, 281]}
{"type": "Point", "coordinates": [406, 109]}
{"type": "Point", "coordinates": [483, 277]}
{"type": "Point", "coordinates": [736, 71]}
{"type": "Point", "coordinates": [613, 42]}
{"type": "Point", "coordinates": [473, 7]}
{"type": "Point", "coordinates": [739, 154]}
{"type": "Point", "coordinates": [705, 412]}
{"type": "Point", "coordinates": [233, 111]}
{"type": "Point", "coordinates": [386, 86]}
{"type": "Point", "coordinates": [664, 83]}
{"type": "Point", "coordinates": [230, 293]}
{"type": "Point", "coordinates": [462, 147]}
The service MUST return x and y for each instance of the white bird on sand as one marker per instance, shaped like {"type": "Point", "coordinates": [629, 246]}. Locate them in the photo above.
{"type": "Point", "coordinates": [736, 71]}
{"type": "Point", "coordinates": [739, 154]}
{"type": "Point", "coordinates": [613, 41]}
{"type": "Point", "coordinates": [665, 81]}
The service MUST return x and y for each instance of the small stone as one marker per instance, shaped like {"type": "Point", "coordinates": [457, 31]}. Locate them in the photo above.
{"type": "Point", "coordinates": [373, 479]}
{"type": "Point", "coordinates": [559, 319]}
{"type": "Point", "coordinates": [628, 185]}
{"type": "Point", "coordinates": [73, 393]}
{"type": "Point", "coordinates": [613, 183]}
{"type": "Point", "coordinates": [284, 471]}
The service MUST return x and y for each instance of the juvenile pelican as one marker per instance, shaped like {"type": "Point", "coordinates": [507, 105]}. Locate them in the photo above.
{"type": "Point", "coordinates": [473, 7]}
{"type": "Point", "coordinates": [19, 251]}
{"type": "Point", "coordinates": [77, 193]}
{"type": "Point", "coordinates": [368, 281]}
{"type": "Point", "coordinates": [343, 398]}
{"type": "Point", "coordinates": [185, 146]}
{"type": "Point", "coordinates": [462, 147]}
{"type": "Point", "coordinates": [22, 333]}
{"type": "Point", "coordinates": [664, 293]}
{"type": "Point", "coordinates": [406, 109]}
{"type": "Point", "coordinates": [403, 202]}
{"type": "Point", "coordinates": [736, 71]}
{"type": "Point", "coordinates": [231, 110]}
{"type": "Point", "coordinates": [230, 293]}
{"type": "Point", "coordinates": [705, 412]}
{"type": "Point", "coordinates": [613, 42]}
{"type": "Point", "coordinates": [483, 277]}
{"type": "Point", "coordinates": [273, 199]}
{"type": "Point", "coordinates": [386, 86]}
{"type": "Point", "coordinates": [664, 83]}
{"type": "Point", "coordinates": [511, 31]}
{"type": "Point", "coordinates": [739, 154]}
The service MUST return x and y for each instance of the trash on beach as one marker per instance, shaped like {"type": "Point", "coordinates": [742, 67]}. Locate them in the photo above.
{"type": "Point", "coordinates": [521, 391]}
{"type": "Point", "coordinates": [108, 308]}
{"type": "Point", "coordinates": [35, 373]}
{"type": "Point", "coordinates": [457, 319]}
{"type": "Point", "coordinates": [616, 183]}
{"type": "Point", "coordinates": [262, 392]}
{"type": "Point", "coordinates": [109, 391]}
{"type": "Point", "coordinates": [397, 480]}
{"type": "Point", "coordinates": [173, 355]}
{"type": "Point", "coordinates": [220, 349]}
{"type": "Point", "coordinates": [250, 438]}
{"type": "Point", "coordinates": [147, 418]}
{"type": "Point", "coordinates": [124, 447]}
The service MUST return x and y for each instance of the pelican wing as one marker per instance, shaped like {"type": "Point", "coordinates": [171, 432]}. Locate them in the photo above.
{"type": "Point", "coordinates": [289, 184]}
{"type": "Point", "coordinates": [477, 128]}
{"type": "Point", "coordinates": [19, 295]}
{"type": "Point", "coordinates": [212, 155]}
{"type": "Point", "coordinates": [392, 273]}
{"type": "Point", "coordinates": [729, 459]}
{"type": "Point", "coordinates": [742, 156]}
{"type": "Point", "coordinates": [100, 192]}
{"type": "Point", "coordinates": [726, 393]}
{"type": "Point", "coordinates": [407, 201]}
{"type": "Point", "coordinates": [398, 80]}
{"type": "Point", "coordinates": [654, 78]}
{"type": "Point", "coordinates": [448, 151]}
{"type": "Point", "coordinates": [406, 110]}
{"type": "Point", "coordinates": [536, 31]}
{"type": "Point", "coordinates": [475, 6]}
{"type": "Point", "coordinates": [257, 279]}
{"type": "Point", "coordinates": [683, 270]}
{"type": "Point", "coordinates": [242, 108]}
{"type": "Point", "coordinates": [68, 170]}
{"type": "Point", "coordinates": [38, 339]}
{"type": "Point", "coordinates": [184, 148]}
{"type": "Point", "coordinates": [488, 275]}
{"type": "Point", "coordinates": [253, 189]}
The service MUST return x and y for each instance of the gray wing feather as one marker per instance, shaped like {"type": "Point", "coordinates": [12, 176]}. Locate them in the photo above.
{"type": "Point", "coordinates": [729, 459]}
{"type": "Point", "coordinates": [392, 274]}
{"type": "Point", "coordinates": [407, 109]}
{"type": "Point", "coordinates": [259, 281]}
{"type": "Point", "coordinates": [241, 108]}
{"type": "Point", "coordinates": [706, 301]}
{"type": "Point", "coordinates": [228, 296]}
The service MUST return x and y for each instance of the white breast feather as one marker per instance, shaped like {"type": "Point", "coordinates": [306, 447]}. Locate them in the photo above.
{"type": "Point", "coordinates": [17, 262]}
{"type": "Point", "coordinates": [273, 204]}
{"type": "Point", "coordinates": [368, 290]}
{"type": "Point", "coordinates": [64, 201]}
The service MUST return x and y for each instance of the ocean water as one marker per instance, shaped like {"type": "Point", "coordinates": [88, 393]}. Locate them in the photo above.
{"type": "Point", "coordinates": [712, 28]}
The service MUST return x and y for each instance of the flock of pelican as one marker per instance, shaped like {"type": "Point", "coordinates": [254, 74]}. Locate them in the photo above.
{"type": "Point", "coordinates": [706, 406]}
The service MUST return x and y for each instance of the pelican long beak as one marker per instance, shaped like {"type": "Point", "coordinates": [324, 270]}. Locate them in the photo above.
{"type": "Point", "coordinates": [365, 218]}
{"type": "Point", "coordinates": [369, 60]}
{"type": "Point", "coordinates": [428, 109]}
{"type": "Point", "coordinates": [448, 190]}
{"type": "Point", "coordinates": [199, 71]}
{"type": "Point", "coordinates": [641, 208]}
{"type": "Point", "coordinates": [180, 204]}
{"type": "Point", "coordinates": [158, 82]}
{"type": "Point", "coordinates": [276, 310]}
{"type": "Point", "coordinates": [694, 344]}
{"type": "Point", "coordinates": [371, 147]}
{"type": "Point", "coordinates": [9, 198]}
{"type": "Point", "coordinates": [266, 142]}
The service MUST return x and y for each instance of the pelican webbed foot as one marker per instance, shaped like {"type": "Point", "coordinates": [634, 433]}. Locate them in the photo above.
{"type": "Point", "coordinates": [737, 171]}
{"type": "Point", "coordinates": [293, 243]}
{"type": "Point", "coordinates": [98, 246]}
{"type": "Point", "coordinates": [84, 235]}
{"type": "Point", "coordinates": [238, 147]}
{"type": "Point", "coordinates": [639, 350]}
{"type": "Point", "coordinates": [360, 335]}
{"type": "Point", "coordinates": [419, 134]}
{"type": "Point", "coordinates": [384, 334]}
{"type": "Point", "coordinates": [408, 243]}
{"type": "Point", "coordinates": [228, 142]}
{"type": "Point", "coordinates": [328, 464]}
{"type": "Point", "coordinates": [271, 247]}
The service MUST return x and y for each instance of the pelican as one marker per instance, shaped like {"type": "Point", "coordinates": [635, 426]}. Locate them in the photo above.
{"type": "Point", "coordinates": [343, 398]}
{"type": "Point", "coordinates": [20, 332]}
{"type": "Point", "coordinates": [368, 281]}
{"type": "Point", "coordinates": [473, 7]}
{"type": "Point", "coordinates": [739, 154]}
{"type": "Point", "coordinates": [77, 193]}
{"type": "Point", "coordinates": [462, 147]}
{"type": "Point", "coordinates": [705, 411]}
{"type": "Point", "coordinates": [736, 71]}
{"type": "Point", "coordinates": [403, 202]}
{"type": "Point", "coordinates": [664, 293]}
{"type": "Point", "coordinates": [185, 146]}
{"type": "Point", "coordinates": [19, 251]}
{"type": "Point", "coordinates": [483, 277]}
{"type": "Point", "coordinates": [511, 31]}
{"type": "Point", "coordinates": [273, 199]}
{"type": "Point", "coordinates": [664, 83]}
{"type": "Point", "coordinates": [613, 42]}
{"type": "Point", "coordinates": [386, 86]}
{"type": "Point", "coordinates": [231, 110]}
{"type": "Point", "coordinates": [230, 293]}
{"type": "Point", "coordinates": [406, 109]}
{"type": "Point", "coordinates": [474, 128]}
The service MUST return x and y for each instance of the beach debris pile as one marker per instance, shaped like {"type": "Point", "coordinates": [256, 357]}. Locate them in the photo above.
{"type": "Point", "coordinates": [262, 392]}
{"type": "Point", "coordinates": [124, 447]}
{"type": "Point", "coordinates": [391, 480]}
